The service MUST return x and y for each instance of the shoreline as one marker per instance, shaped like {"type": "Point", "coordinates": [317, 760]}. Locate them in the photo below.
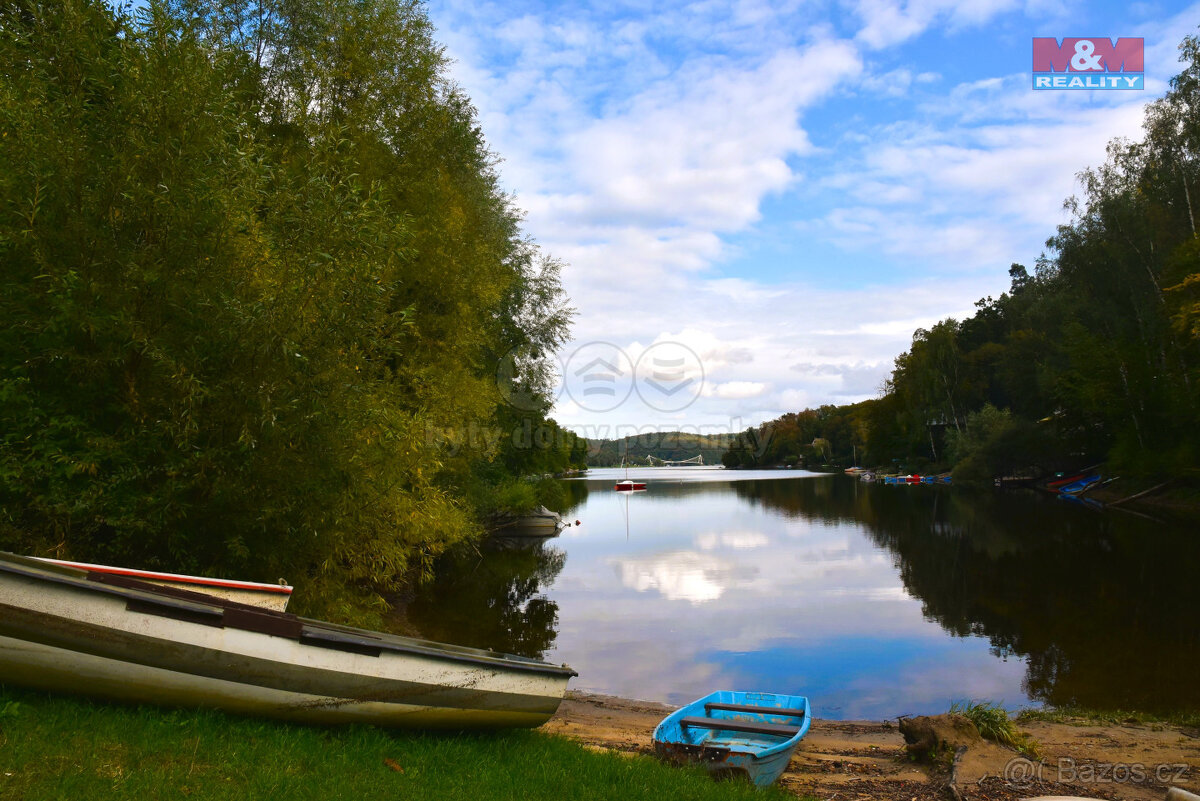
{"type": "Point", "coordinates": [840, 760]}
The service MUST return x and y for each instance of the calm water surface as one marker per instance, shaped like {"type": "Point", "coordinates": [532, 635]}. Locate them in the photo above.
{"type": "Point", "coordinates": [874, 601]}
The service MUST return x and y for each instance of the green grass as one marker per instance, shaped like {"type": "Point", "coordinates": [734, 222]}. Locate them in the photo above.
{"type": "Point", "coordinates": [994, 723]}
{"type": "Point", "coordinates": [55, 747]}
{"type": "Point", "coordinates": [1081, 716]}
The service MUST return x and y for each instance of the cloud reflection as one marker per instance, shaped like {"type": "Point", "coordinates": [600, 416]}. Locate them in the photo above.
{"type": "Point", "coordinates": [683, 575]}
{"type": "Point", "coordinates": [737, 540]}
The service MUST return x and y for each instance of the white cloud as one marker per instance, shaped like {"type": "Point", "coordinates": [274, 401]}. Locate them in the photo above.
{"type": "Point", "coordinates": [892, 84]}
{"type": "Point", "coordinates": [690, 157]}
{"type": "Point", "coordinates": [888, 22]}
{"type": "Point", "coordinates": [737, 390]}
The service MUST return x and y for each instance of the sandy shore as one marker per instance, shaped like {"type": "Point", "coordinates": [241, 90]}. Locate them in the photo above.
{"type": "Point", "coordinates": [851, 760]}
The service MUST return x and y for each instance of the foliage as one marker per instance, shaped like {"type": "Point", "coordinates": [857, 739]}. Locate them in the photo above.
{"type": "Point", "coordinates": [255, 261]}
{"type": "Point", "coordinates": [995, 724]}
{"type": "Point", "coordinates": [806, 439]}
{"type": "Point", "coordinates": [665, 445]}
{"type": "Point", "coordinates": [995, 442]}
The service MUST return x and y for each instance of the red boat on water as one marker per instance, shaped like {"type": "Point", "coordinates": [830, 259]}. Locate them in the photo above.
{"type": "Point", "coordinates": [627, 485]}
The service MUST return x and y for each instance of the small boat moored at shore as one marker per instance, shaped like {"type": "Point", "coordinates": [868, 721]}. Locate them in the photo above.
{"type": "Point", "coordinates": [943, 478]}
{"type": "Point", "coordinates": [1077, 487]}
{"type": "Point", "coordinates": [750, 733]}
{"type": "Point", "coordinates": [541, 522]}
{"type": "Point", "coordinates": [68, 629]}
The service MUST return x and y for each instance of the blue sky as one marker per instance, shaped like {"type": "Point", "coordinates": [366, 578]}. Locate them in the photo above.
{"type": "Point", "coordinates": [785, 189]}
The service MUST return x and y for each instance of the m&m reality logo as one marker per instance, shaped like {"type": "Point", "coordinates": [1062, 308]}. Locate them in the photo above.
{"type": "Point", "coordinates": [1094, 62]}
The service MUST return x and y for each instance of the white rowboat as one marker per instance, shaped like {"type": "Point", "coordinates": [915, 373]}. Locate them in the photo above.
{"type": "Point", "coordinates": [73, 630]}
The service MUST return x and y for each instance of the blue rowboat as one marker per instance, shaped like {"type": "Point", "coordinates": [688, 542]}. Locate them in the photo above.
{"type": "Point", "coordinates": [736, 732]}
{"type": "Point", "coordinates": [1078, 486]}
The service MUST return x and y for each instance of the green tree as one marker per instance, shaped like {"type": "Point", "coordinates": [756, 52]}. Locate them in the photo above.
{"type": "Point", "coordinates": [254, 256]}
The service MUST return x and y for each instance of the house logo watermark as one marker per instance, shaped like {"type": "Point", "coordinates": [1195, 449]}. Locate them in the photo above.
{"type": "Point", "coordinates": [669, 376]}
{"type": "Point", "coordinates": [1091, 62]}
{"type": "Point", "coordinates": [599, 376]}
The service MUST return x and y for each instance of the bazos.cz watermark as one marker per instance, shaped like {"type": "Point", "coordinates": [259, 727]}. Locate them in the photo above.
{"type": "Point", "coordinates": [1021, 772]}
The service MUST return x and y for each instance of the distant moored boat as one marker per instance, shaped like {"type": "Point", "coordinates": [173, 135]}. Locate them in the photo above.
{"type": "Point", "coordinates": [1076, 487]}
{"type": "Point", "coordinates": [541, 522]}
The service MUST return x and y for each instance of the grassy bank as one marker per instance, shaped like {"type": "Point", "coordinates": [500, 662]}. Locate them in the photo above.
{"type": "Point", "coordinates": [1083, 716]}
{"type": "Point", "coordinates": [1178, 497]}
{"type": "Point", "coordinates": [53, 748]}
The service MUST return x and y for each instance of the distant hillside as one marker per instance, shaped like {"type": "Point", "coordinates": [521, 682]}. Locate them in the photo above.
{"type": "Point", "coordinates": [669, 445]}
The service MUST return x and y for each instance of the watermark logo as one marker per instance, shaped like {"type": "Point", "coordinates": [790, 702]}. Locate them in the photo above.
{"type": "Point", "coordinates": [670, 376]}
{"type": "Point", "coordinates": [1095, 62]}
{"type": "Point", "coordinates": [599, 376]}
{"type": "Point", "coordinates": [1023, 773]}
{"type": "Point", "coordinates": [453, 440]}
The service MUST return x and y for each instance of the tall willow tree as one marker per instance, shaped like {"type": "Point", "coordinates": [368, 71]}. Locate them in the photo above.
{"type": "Point", "coordinates": [252, 255]}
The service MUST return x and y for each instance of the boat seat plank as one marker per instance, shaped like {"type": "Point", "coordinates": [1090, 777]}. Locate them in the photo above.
{"type": "Point", "coordinates": [326, 638]}
{"type": "Point", "coordinates": [719, 724]}
{"type": "Point", "coordinates": [755, 710]}
{"type": "Point", "coordinates": [265, 622]}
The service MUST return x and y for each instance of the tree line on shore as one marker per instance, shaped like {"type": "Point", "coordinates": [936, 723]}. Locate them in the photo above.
{"type": "Point", "coordinates": [1092, 356]}
{"type": "Point", "coordinates": [259, 286]}
{"type": "Point", "coordinates": [669, 446]}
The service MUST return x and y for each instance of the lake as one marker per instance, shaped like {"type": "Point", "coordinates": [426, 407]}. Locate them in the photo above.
{"type": "Point", "coordinates": [873, 600]}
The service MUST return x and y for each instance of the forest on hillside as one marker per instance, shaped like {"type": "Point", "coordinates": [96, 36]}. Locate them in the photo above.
{"type": "Point", "coordinates": [641, 449]}
{"type": "Point", "coordinates": [1091, 356]}
{"type": "Point", "coordinates": [267, 311]}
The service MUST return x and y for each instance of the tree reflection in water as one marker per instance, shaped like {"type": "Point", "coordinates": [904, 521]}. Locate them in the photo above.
{"type": "Point", "coordinates": [1101, 605]}
{"type": "Point", "coordinates": [492, 598]}
{"type": "Point", "coordinates": [566, 496]}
